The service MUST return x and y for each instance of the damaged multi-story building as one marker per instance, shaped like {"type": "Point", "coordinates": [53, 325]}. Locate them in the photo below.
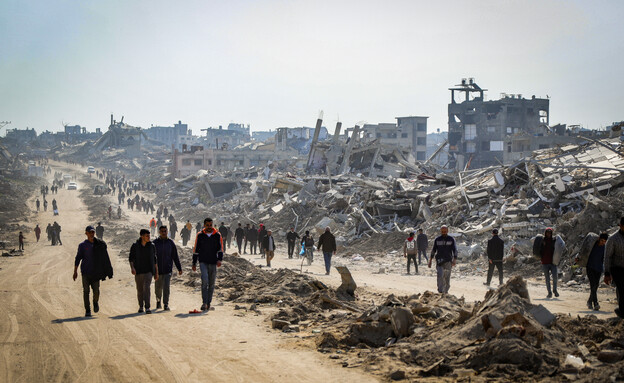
{"type": "Point", "coordinates": [485, 133]}
{"type": "Point", "coordinates": [409, 133]}
{"type": "Point", "coordinates": [171, 136]}
{"type": "Point", "coordinates": [121, 136]}
{"type": "Point", "coordinates": [219, 138]}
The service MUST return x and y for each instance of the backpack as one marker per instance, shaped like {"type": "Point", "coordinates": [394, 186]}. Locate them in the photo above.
{"type": "Point", "coordinates": [309, 242]}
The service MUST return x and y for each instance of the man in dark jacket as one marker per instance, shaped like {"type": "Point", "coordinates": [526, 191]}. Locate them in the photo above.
{"type": "Point", "coordinates": [208, 250]}
{"type": "Point", "coordinates": [247, 228]}
{"type": "Point", "coordinates": [268, 244]}
{"type": "Point", "coordinates": [262, 232]}
{"type": "Point", "coordinates": [99, 231]}
{"type": "Point", "coordinates": [614, 265]}
{"type": "Point", "coordinates": [422, 243]}
{"type": "Point", "coordinates": [95, 265]}
{"type": "Point", "coordinates": [252, 237]}
{"type": "Point", "coordinates": [174, 228]}
{"type": "Point", "coordinates": [143, 264]}
{"type": "Point", "coordinates": [291, 238]}
{"type": "Point", "coordinates": [166, 254]}
{"type": "Point", "coordinates": [445, 252]}
{"type": "Point", "coordinates": [549, 248]}
{"type": "Point", "coordinates": [223, 230]}
{"type": "Point", "coordinates": [239, 235]}
{"type": "Point", "coordinates": [495, 251]}
{"type": "Point", "coordinates": [591, 256]}
{"type": "Point", "coordinates": [327, 243]}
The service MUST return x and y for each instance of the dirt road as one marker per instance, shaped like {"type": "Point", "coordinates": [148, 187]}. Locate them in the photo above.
{"type": "Point", "coordinates": [45, 337]}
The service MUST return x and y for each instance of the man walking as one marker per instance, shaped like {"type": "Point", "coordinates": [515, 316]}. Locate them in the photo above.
{"type": "Point", "coordinates": [167, 255]}
{"type": "Point", "coordinates": [247, 228]}
{"type": "Point", "coordinates": [495, 251]}
{"type": "Point", "coordinates": [57, 232]}
{"type": "Point", "coordinates": [223, 230]}
{"type": "Point", "coordinates": [38, 204]}
{"type": "Point", "coordinates": [239, 235]}
{"type": "Point", "coordinates": [208, 250]}
{"type": "Point", "coordinates": [252, 236]}
{"type": "Point", "coordinates": [409, 251]}
{"type": "Point", "coordinates": [591, 256]}
{"type": "Point", "coordinates": [327, 242]}
{"type": "Point", "coordinates": [99, 231]}
{"type": "Point", "coordinates": [21, 241]}
{"type": "Point", "coordinates": [152, 226]}
{"type": "Point", "coordinates": [174, 228]}
{"type": "Point", "coordinates": [143, 264]}
{"type": "Point", "coordinates": [95, 265]}
{"type": "Point", "coordinates": [262, 232]}
{"type": "Point", "coordinates": [614, 266]}
{"type": "Point", "coordinates": [445, 252]}
{"type": "Point", "coordinates": [549, 249]}
{"type": "Point", "coordinates": [37, 232]}
{"type": "Point", "coordinates": [291, 238]}
{"type": "Point", "coordinates": [422, 243]}
{"type": "Point", "coordinates": [268, 244]}
{"type": "Point", "coordinates": [308, 245]}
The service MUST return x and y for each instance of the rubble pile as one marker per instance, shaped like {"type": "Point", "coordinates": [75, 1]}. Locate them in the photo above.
{"type": "Point", "coordinates": [502, 338]}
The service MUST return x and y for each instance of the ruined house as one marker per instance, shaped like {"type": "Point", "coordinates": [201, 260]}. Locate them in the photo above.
{"type": "Point", "coordinates": [409, 133]}
{"type": "Point", "coordinates": [121, 136]}
{"type": "Point", "coordinates": [171, 136]}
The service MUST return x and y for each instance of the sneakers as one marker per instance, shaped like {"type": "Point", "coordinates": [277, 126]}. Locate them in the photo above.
{"type": "Point", "coordinates": [204, 307]}
{"type": "Point", "coordinates": [166, 308]}
{"type": "Point", "coordinates": [486, 284]}
{"type": "Point", "coordinates": [88, 313]}
{"type": "Point", "coordinates": [589, 305]}
{"type": "Point", "coordinates": [96, 307]}
{"type": "Point", "coordinates": [140, 310]}
{"type": "Point", "coordinates": [148, 311]}
{"type": "Point", "coordinates": [549, 296]}
{"type": "Point", "coordinates": [556, 293]}
{"type": "Point", "coordinates": [158, 306]}
{"type": "Point", "coordinates": [596, 307]}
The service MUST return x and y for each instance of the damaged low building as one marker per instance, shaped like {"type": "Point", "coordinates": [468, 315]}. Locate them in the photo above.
{"type": "Point", "coordinates": [121, 136]}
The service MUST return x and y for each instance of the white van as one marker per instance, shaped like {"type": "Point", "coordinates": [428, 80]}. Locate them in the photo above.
{"type": "Point", "coordinates": [90, 169]}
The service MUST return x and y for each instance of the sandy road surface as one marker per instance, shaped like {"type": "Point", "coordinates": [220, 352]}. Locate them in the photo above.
{"type": "Point", "coordinates": [45, 338]}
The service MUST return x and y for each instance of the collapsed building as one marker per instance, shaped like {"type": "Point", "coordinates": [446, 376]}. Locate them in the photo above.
{"type": "Point", "coordinates": [488, 133]}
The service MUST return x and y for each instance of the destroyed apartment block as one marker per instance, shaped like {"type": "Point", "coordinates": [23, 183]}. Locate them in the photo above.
{"type": "Point", "coordinates": [121, 136]}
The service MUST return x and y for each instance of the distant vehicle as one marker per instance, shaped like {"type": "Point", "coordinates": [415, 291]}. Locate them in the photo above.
{"type": "Point", "coordinates": [72, 186]}
{"type": "Point", "coordinates": [90, 169]}
{"type": "Point", "coordinates": [67, 178]}
{"type": "Point", "coordinates": [31, 163]}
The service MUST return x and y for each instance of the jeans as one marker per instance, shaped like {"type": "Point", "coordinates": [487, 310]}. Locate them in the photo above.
{"type": "Point", "coordinates": [253, 246]}
{"type": "Point", "coordinates": [617, 273]}
{"type": "Point", "coordinates": [444, 276]}
{"type": "Point", "coordinates": [327, 257]}
{"type": "Point", "coordinates": [143, 283]}
{"type": "Point", "coordinates": [90, 282]}
{"type": "Point", "coordinates": [239, 243]}
{"type": "Point", "coordinates": [291, 248]}
{"type": "Point", "coordinates": [548, 270]}
{"type": "Point", "coordinates": [594, 282]}
{"type": "Point", "coordinates": [269, 255]}
{"type": "Point", "coordinates": [309, 254]}
{"type": "Point", "coordinates": [499, 266]}
{"type": "Point", "coordinates": [161, 286]}
{"type": "Point", "coordinates": [411, 258]}
{"type": "Point", "coordinates": [424, 254]}
{"type": "Point", "coordinates": [208, 278]}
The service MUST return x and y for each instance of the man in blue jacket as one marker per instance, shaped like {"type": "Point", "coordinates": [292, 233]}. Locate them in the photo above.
{"type": "Point", "coordinates": [445, 253]}
{"type": "Point", "coordinates": [166, 254]}
{"type": "Point", "coordinates": [208, 250]}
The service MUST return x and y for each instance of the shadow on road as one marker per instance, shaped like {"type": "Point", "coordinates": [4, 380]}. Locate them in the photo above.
{"type": "Point", "coordinates": [73, 319]}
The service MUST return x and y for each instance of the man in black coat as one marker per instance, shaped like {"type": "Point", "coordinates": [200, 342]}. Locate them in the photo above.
{"type": "Point", "coordinates": [167, 255]}
{"type": "Point", "coordinates": [495, 251]}
{"type": "Point", "coordinates": [223, 230]}
{"type": "Point", "coordinates": [95, 265]}
{"type": "Point", "coordinates": [144, 266]}
{"type": "Point", "coordinates": [291, 238]}
{"type": "Point", "coordinates": [239, 235]}
{"type": "Point", "coordinates": [327, 243]}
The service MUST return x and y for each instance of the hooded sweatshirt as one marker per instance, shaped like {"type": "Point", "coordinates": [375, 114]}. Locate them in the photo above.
{"type": "Point", "coordinates": [410, 246]}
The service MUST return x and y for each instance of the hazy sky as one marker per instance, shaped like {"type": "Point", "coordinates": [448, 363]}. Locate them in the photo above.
{"type": "Point", "coordinates": [278, 63]}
